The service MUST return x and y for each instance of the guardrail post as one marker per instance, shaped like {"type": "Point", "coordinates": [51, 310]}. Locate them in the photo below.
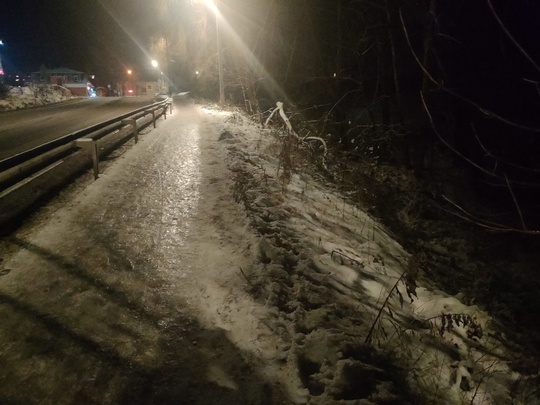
{"type": "Point", "coordinates": [170, 106]}
{"type": "Point", "coordinates": [90, 145]}
{"type": "Point", "coordinates": [153, 111]}
{"type": "Point", "coordinates": [165, 112]}
{"type": "Point", "coordinates": [135, 129]}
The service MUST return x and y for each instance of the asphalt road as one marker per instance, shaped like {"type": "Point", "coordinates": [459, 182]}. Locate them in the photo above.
{"type": "Point", "coordinates": [21, 130]}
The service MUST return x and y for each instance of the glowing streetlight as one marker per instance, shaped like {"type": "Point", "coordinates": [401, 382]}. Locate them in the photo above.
{"type": "Point", "coordinates": [155, 64]}
{"type": "Point", "coordinates": [129, 71]}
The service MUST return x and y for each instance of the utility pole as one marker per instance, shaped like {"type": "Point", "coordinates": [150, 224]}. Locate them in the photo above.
{"type": "Point", "coordinates": [220, 57]}
{"type": "Point", "coordinates": [167, 65]}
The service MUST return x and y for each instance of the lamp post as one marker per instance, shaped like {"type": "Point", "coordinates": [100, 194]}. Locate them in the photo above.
{"type": "Point", "coordinates": [155, 64]}
{"type": "Point", "coordinates": [213, 5]}
{"type": "Point", "coordinates": [128, 83]}
{"type": "Point", "coordinates": [220, 59]}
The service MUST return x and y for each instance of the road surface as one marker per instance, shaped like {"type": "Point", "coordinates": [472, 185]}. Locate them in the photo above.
{"type": "Point", "coordinates": [21, 130]}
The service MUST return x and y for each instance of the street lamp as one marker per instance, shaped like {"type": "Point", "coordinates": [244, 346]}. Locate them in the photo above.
{"type": "Point", "coordinates": [155, 64]}
{"type": "Point", "coordinates": [128, 84]}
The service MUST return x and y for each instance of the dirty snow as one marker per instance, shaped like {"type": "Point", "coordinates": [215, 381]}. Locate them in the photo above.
{"type": "Point", "coordinates": [33, 95]}
{"type": "Point", "coordinates": [193, 251]}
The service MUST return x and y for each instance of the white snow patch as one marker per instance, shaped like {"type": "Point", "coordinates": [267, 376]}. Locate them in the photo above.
{"type": "Point", "coordinates": [354, 251]}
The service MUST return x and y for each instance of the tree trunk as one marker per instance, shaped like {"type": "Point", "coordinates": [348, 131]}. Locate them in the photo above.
{"type": "Point", "coordinates": [397, 116]}
{"type": "Point", "coordinates": [421, 141]}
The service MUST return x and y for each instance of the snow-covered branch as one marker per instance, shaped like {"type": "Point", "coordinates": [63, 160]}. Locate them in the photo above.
{"type": "Point", "coordinates": [279, 108]}
{"type": "Point", "coordinates": [290, 130]}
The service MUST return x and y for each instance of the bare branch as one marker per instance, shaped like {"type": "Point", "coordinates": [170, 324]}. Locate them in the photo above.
{"type": "Point", "coordinates": [290, 130]}
{"type": "Point", "coordinates": [335, 105]}
{"type": "Point", "coordinates": [483, 110]}
{"type": "Point", "coordinates": [470, 161]}
{"type": "Point", "coordinates": [515, 202]}
{"type": "Point", "coordinates": [504, 161]}
{"type": "Point", "coordinates": [510, 36]}
{"type": "Point", "coordinates": [285, 118]}
{"type": "Point", "coordinates": [270, 116]}
{"type": "Point", "coordinates": [467, 216]}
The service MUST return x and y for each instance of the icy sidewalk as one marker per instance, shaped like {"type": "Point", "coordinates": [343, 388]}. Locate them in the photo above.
{"type": "Point", "coordinates": [126, 291]}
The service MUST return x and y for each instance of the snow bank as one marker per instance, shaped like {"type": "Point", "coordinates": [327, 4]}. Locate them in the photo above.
{"type": "Point", "coordinates": [33, 95]}
{"type": "Point", "coordinates": [355, 304]}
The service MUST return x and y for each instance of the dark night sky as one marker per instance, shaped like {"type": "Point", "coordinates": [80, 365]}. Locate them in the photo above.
{"type": "Point", "coordinates": [104, 36]}
{"type": "Point", "coordinates": [87, 35]}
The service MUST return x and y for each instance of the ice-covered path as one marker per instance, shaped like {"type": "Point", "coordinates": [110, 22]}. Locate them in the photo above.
{"type": "Point", "coordinates": [127, 290]}
{"type": "Point", "coordinates": [210, 265]}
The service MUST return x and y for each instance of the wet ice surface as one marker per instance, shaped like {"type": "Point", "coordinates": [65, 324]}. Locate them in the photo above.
{"type": "Point", "coordinates": [129, 293]}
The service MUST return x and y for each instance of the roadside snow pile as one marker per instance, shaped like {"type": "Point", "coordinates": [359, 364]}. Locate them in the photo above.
{"type": "Point", "coordinates": [364, 324]}
{"type": "Point", "coordinates": [33, 95]}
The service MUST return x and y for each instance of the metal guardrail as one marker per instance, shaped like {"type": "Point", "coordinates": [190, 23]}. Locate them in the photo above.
{"type": "Point", "coordinates": [38, 150]}
{"type": "Point", "coordinates": [26, 177]}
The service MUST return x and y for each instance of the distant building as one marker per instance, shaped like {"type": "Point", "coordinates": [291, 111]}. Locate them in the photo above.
{"type": "Point", "coordinates": [73, 80]}
{"type": "Point", "coordinates": [134, 88]}
{"type": "Point", "coordinates": [148, 88]}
